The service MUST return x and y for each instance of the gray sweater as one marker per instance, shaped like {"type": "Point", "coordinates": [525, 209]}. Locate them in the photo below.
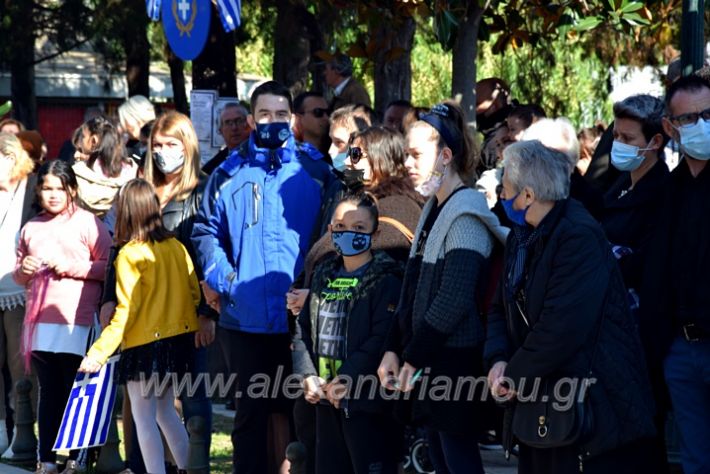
{"type": "Point", "coordinates": [444, 312]}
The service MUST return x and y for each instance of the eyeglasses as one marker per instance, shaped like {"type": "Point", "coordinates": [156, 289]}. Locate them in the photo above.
{"type": "Point", "coordinates": [317, 112]}
{"type": "Point", "coordinates": [355, 153]}
{"type": "Point", "coordinates": [689, 119]}
{"type": "Point", "coordinates": [237, 122]}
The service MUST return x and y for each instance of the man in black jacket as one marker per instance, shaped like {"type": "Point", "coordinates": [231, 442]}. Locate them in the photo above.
{"type": "Point", "coordinates": [675, 302]}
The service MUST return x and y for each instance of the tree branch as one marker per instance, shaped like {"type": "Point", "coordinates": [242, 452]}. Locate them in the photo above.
{"type": "Point", "coordinates": [60, 51]}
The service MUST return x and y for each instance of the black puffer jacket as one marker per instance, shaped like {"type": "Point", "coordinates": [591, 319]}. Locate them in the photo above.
{"type": "Point", "coordinates": [370, 316]}
{"type": "Point", "coordinates": [571, 284]}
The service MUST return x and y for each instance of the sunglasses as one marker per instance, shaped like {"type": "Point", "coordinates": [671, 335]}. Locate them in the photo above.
{"type": "Point", "coordinates": [317, 112]}
{"type": "Point", "coordinates": [355, 153]}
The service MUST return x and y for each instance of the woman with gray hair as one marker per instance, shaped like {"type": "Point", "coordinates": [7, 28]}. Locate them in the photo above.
{"type": "Point", "coordinates": [561, 325]}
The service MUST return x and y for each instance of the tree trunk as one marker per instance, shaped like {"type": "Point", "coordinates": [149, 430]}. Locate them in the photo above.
{"type": "Point", "coordinates": [137, 47]}
{"type": "Point", "coordinates": [177, 78]}
{"type": "Point", "coordinates": [292, 48]}
{"type": "Point", "coordinates": [22, 70]}
{"type": "Point", "coordinates": [216, 66]}
{"type": "Point", "coordinates": [393, 62]}
{"type": "Point", "coordinates": [463, 78]}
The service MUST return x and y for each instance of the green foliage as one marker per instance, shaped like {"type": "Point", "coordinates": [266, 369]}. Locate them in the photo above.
{"type": "Point", "coordinates": [255, 43]}
{"type": "Point", "coordinates": [564, 79]}
{"type": "Point", "coordinates": [431, 70]}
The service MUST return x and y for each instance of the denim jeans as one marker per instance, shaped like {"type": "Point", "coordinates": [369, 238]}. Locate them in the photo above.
{"type": "Point", "coordinates": [687, 371]}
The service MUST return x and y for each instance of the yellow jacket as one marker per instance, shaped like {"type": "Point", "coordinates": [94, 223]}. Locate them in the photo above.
{"type": "Point", "coordinates": [157, 292]}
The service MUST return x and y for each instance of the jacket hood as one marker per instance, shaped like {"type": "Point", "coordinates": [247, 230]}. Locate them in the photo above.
{"type": "Point", "coordinates": [82, 170]}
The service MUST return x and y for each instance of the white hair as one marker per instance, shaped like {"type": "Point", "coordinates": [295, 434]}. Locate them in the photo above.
{"type": "Point", "coordinates": [544, 170]}
{"type": "Point", "coordinates": [138, 109]}
{"type": "Point", "coordinates": [558, 134]}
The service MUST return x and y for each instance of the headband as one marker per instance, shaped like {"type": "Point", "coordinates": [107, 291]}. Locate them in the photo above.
{"type": "Point", "coordinates": [440, 118]}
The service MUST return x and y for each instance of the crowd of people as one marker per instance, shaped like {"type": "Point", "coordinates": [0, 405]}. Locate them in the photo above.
{"type": "Point", "coordinates": [412, 280]}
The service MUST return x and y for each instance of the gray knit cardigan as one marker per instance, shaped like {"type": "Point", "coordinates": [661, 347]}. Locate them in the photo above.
{"type": "Point", "coordinates": [444, 312]}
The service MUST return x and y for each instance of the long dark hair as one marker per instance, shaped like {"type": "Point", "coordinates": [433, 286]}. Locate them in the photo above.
{"type": "Point", "coordinates": [62, 170]}
{"type": "Point", "coordinates": [109, 150]}
{"type": "Point", "coordinates": [139, 216]}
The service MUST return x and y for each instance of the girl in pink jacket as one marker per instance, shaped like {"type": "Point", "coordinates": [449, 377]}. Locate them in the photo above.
{"type": "Point", "coordinates": [61, 259]}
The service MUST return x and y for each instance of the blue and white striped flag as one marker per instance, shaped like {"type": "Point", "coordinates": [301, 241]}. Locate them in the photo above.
{"type": "Point", "coordinates": [88, 413]}
{"type": "Point", "coordinates": [230, 11]}
{"type": "Point", "coordinates": [153, 7]}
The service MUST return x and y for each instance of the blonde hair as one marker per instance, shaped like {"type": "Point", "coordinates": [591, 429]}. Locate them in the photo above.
{"type": "Point", "coordinates": [10, 145]}
{"type": "Point", "coordinates": [175, 125]}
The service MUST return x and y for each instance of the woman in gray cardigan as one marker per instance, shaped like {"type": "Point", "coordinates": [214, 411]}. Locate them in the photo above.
{"type": "Point", "coordinates": [435, 346]}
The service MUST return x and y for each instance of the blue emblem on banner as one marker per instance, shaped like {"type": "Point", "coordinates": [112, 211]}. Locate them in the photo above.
{"type": "Point", "coordinates": [186, 24]}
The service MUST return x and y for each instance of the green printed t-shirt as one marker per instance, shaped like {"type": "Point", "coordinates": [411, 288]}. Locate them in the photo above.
{"type": "Point", "coordinates": [335, 300]}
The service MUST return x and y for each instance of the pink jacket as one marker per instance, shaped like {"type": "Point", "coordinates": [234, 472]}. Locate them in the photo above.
{"type": "Point", "coordinates": [75, 235]}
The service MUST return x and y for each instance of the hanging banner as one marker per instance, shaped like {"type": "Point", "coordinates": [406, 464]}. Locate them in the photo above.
{"type": "Point", "coordinates": [230, 12]}
{"type": "Point", "coordinates": [186, 24]}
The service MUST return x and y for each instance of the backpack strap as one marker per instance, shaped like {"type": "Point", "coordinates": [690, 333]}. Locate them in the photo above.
{"type": "Point", "coordinates": [408, 234]}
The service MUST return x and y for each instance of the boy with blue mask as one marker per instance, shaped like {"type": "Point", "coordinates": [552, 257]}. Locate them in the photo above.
{"type": "Point", "coordinates": [344, 324]}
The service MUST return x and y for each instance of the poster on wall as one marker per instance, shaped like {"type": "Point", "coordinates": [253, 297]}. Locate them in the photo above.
{"type": "Point", "coordinates": [217, 138]}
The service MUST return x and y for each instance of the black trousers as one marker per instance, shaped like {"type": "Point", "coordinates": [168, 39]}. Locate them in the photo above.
{"type": "Point", "coordinates": [304, 420]}
{"type": "Point", "coordinates": [362, 443]}
{"type": "Point", "coordinates": [55, 373]}
{"type": "Point", "coordinates": [262, 362]}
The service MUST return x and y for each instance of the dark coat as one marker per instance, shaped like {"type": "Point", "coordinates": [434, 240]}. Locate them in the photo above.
{"type": "Point", "coordinates": [30, 206]}
{"type": "Point", "coordinates": [659, 317]}
{"type": "Point", "coordinates": [572, 281]}
{"type": "Point", "coordinates": [629, 220]}
{"type": "Point", "coordinates": [370, 316]}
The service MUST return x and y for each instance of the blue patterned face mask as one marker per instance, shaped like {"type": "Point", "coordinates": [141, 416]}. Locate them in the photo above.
{"type": "Point", "coordinates": [350, 244]}
{"type": "Point", "coordinates": [272, 135]}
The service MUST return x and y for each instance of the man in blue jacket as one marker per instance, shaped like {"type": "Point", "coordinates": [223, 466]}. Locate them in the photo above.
{"type": "Point", "coordinates": [251, 237]}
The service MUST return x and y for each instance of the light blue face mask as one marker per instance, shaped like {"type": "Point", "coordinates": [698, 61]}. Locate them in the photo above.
{"type": "Point", "coordinates": [339, 161]}
{"type": "Point", "coordinates": [350, 244]}
{"type": "Point", "coordinates": [626, 157]}
{"type": "Point", "coordinates": [695, 139]}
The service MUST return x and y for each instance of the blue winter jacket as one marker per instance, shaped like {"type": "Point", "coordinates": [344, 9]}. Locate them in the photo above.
{"type": "Point", "coordinates": [254, 228]}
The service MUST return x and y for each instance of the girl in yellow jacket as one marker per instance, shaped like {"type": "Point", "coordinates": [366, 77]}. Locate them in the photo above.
{"type": "Point", "coordinates": [158, 293]}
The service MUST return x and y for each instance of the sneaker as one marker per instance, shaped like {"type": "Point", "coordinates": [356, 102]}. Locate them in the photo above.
{"type": "Point", "coordinates": [488, 441]}
{"type": "Point", "coordinates": [43, 468]}
{"type": "Point", "coordinates": [73, 467]}
{"type": "Point", "coordinates": [8, 454]}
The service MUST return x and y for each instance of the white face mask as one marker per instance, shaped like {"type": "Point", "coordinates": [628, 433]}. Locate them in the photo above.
{"type": "Point", "coordinates": [433, 182]}
{"type": "Point", "coordinates": [168, 160]}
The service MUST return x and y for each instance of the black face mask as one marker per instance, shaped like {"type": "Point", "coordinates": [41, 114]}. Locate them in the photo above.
{"type": "Point", "coordinates": [354, 179]}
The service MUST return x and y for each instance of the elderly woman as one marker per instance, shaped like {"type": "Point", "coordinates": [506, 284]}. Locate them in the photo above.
{"type": "Point", "coordinates": [17, 206]}
{"type": "Point", "coordinates": [133, 114]}
{"type": "Point", "coordinates": [561, 318]}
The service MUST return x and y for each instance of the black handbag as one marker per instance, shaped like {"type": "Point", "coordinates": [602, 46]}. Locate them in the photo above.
{"type": "Point", "coordinates": [543, 422]}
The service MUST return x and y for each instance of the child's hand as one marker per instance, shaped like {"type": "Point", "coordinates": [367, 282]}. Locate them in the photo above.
{"type": "Point", "coordinates": [30, 265]}
{"type": "Point", "coordinates": [89, 365]}
{"type": "Point", "coordinates": [60, 267]}
{"type": "Point", "coordinates": [313, 389]}
{"type": "Point", "coordinates": [335, 392]}
{"type": "Point", "coordinates": [295, 299]}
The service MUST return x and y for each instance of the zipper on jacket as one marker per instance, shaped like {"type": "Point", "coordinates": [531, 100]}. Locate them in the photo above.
{"type": "Point", "coordinates": [255, 204]}
{"type": "Point", "coordinates": [522, 313]}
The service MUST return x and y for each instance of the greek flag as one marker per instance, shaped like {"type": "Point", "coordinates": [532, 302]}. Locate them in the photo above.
{"type": "Point", "coordinates": [88, 413]}
{"type": "Point", "coordinates": [153, 7]}
{"type": "Point", "coordinates": [230, 12]}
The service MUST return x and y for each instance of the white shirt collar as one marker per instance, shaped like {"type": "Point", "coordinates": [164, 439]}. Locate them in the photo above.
{"type": "Point", "coordinates": [339, 89]}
